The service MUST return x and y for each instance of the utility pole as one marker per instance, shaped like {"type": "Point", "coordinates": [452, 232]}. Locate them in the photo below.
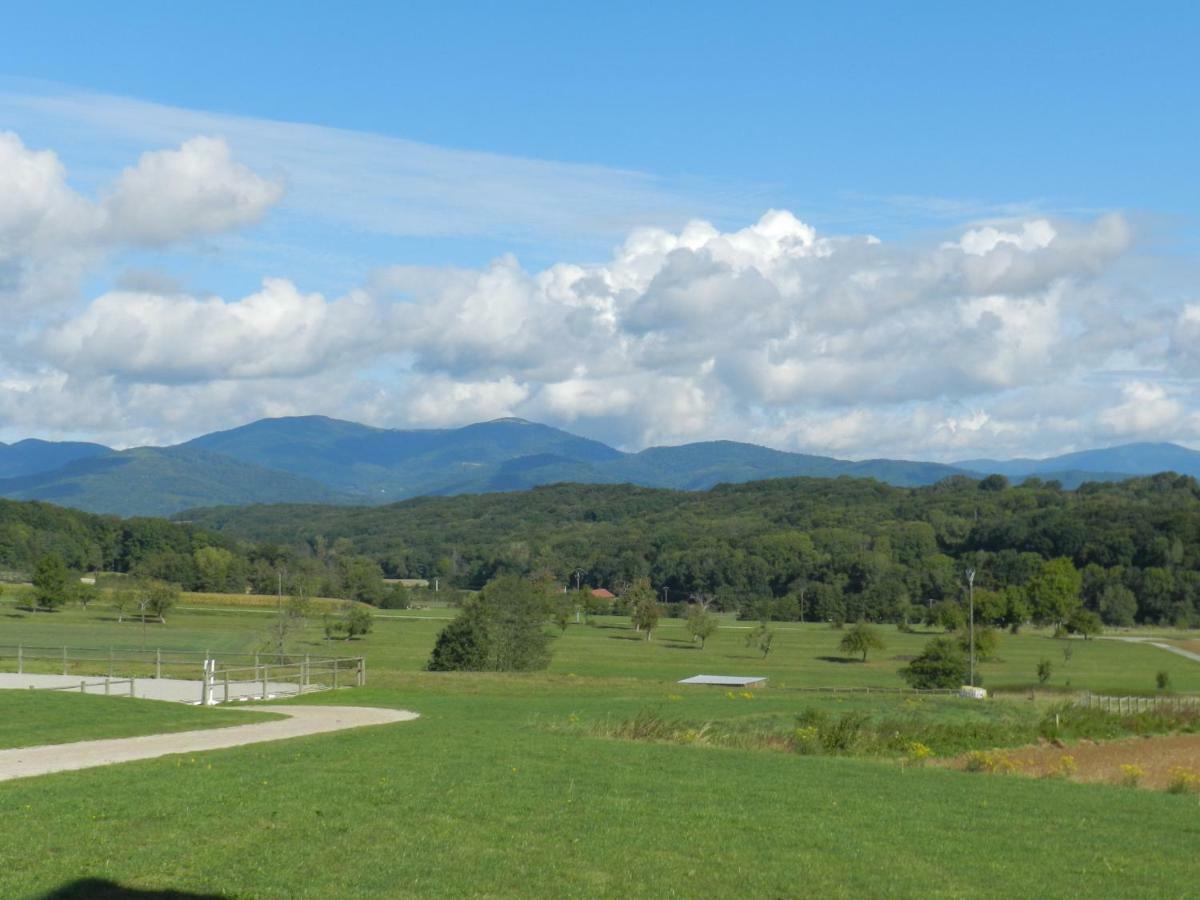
{"type": "Point", "coordinates": [971, 619]}
{"type": "Point", "coordinates": [664, 595]}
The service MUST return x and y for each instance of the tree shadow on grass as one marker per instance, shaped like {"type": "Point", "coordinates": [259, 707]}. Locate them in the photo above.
{"type": "Point", "coordinates": [626, 637]}
{"type": "Point", "coordinates": [840, 659]}
{"type": "Point", "coordinates": [103, 889]}
{"type": "Point", "coordinates": [679, 645]}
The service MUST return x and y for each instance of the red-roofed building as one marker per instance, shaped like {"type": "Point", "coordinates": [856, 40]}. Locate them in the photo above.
{"type": "Point", "coordinates": [603, 594]}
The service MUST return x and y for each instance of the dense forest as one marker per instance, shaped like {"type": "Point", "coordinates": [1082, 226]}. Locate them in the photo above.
{"type": "Point", "coordinates": [194, 558]}
{"type": "Point", "coordinates": [831, 549]}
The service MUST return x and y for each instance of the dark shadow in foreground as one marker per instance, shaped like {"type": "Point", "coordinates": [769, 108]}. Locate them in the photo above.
{"type": "Point", "coordinates": [103, 889]}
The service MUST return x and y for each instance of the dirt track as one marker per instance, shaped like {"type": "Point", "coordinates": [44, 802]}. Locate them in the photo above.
{"type": "Point", "coordinates": [23, 762]}
{"type": "Point", "coordinates": [1101, 762]}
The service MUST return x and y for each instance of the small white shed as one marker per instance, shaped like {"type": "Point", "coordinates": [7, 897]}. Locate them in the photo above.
{"type": "Point", "coordinates": [730, 681]}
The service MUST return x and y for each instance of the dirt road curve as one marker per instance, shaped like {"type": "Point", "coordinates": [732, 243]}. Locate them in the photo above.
{"type": "Point", "coordinates": [302, 720]}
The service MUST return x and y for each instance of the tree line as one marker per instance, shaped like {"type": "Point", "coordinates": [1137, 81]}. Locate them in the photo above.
{"type": "Point", "coordinates": [840, 550]}
{"type": "Point", "coordinates": [790, 549]}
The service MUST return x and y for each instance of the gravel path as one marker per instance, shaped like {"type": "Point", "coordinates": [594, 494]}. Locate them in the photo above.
{"type": "Point", "coordinates": [23, 762]}
{"type": "Point", "coordinates": [1153, 643]}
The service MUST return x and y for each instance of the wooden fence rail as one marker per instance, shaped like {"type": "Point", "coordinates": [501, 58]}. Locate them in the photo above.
{"type": "Point", "coordinates": [1133, 704]}
{"type": "Point", "coordinates": [108, 684]}
{"type": "Point", "coordinates": [222, 676]}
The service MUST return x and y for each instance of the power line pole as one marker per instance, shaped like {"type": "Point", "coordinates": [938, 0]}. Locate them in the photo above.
{"type": "Point", "coordinates": [971, 619]}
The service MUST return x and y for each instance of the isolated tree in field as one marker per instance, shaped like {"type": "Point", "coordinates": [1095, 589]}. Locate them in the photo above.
{"type": "Point", "coordinates": [761, 637]}
{"type": "Point", "coordinates": [701, 624]}
{"type": "Point", "coordinates": [643, 607]}
{"type": "Point", "coordinates": [155, 599]}
{"type": "Point", "coordinates": [514, 611]}
{"type": "Point", "coordinates": [51, 581]}
{"type": "Point", "coordinates": [352, 621]}
{"type": "Point", "coordinates": [1084, 622]}
{"type": "Point", "coordinates": [942, 664]}
{"type": "Point", "coordinates": [861, 638]}
{"type": "Point", "coordinates": [986, 643]}
{"type": "Point", "coordinates": [85, 594]}
{"type": "Point", "coordinates": [1054, 591]}
{"type": "Point", "coordinates": [564, 609]}
{"type": "Point", "coordinates": [500, 629]}
{"type": "Point", "coordinates": [1044, 670]}
{"type": "Point", "coordinates": [289, 617]}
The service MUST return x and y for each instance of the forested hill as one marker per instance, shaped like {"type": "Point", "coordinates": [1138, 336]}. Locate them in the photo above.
{"type": "Point", "coordinates": [88, 542]}
{"type": "Point", "coordinates": [857, 546]}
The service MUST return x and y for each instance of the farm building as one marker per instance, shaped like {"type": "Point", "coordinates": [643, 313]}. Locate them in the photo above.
{"type": "Point", "coordinates": [733, 681]}
{"type": "Point", "coordinates": [603, 594]}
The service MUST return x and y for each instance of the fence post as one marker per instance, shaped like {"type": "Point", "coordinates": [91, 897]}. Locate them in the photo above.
{"type": "Point", "coordinates": [132, 684]}
{"type": "Point", "coordinates": [335, 673]}
{"type": "Point", "coordinates": [110, 661]}
{"type": "Point", "coordinates": [82, 685]}
{"type": "Point", "coordinates": [158, 663]}
{"type": "Point", "coordinates": [64, 660]}
{"type": "Point", "coordinates": [20, 659]}
{"type": "Point", "coordinates": [226, 686]}
{"type": "Point", "coordinates": [264, 682]}
{"type": "Point", "coordinates": [107, 688]}
{"type": "Point", "coordinates": [362, 671]}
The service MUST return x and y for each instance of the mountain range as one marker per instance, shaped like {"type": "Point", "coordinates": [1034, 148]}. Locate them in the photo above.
{"type": "Point", "coordinates": [313, 459]}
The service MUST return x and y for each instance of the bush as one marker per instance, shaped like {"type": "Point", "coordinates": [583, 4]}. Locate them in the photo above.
{"type": "Point", "coordinates": [501, 629]}
{"type": "Point", "coordinates": [1162, 680]}
{"type": "Point", "coordinates": [461, 646]}
{"type": "Point", "coordinates": [1132, 775]}
{"type": "Point", "coordinates": [1183, 781]}
{"type": "Point", "coordinates": [354, 621]}
{"type": "Point", "coordinates": [941, 664]}
{"type": "Point", "coordinates": [993, 762]}
{"type": "Point", "coordinates": [987, 640]}
{"type": "Point", "coordinates": [1044, 670]}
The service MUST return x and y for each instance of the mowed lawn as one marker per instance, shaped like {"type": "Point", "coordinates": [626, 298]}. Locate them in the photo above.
{"type": "Point", "coordinates": [493, 791]}
{"type": "Point", "coordinates": [32, 718]}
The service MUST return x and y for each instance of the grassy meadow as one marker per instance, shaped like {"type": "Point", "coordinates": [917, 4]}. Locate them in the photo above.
{"type": "Point", "coordinates": [508, 786]}
{"type": "Point", "coordinates": [33, 718]}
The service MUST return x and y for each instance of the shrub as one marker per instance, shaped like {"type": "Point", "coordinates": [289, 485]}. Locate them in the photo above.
{"type": "Point", "coordinates": [460, 647]}
{"type": "Point", "coordinates": [1065, 767]}
{"type": "Point", "coordinates": [499, 630]}
{"type": "Point", "coordinates": [987, 640]}
{"type": "Point", "coordinates": [1183, 781]}
{"type": "Point", "coordinates": [1162, 680]}
{"type": "Point", "coordinates": [918, 753]}
{"type": "Point", "coordinates": [993, 762]}
{"type": "Point", "coordinates": [941, 664]}
{"type": "Point", "coordinates": [1132, 775]}
{"type": "Point", "coordinates": [1044, 670]}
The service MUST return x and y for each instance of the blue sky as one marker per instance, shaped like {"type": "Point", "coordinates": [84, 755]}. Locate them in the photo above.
{"type": "Point", "coordinates": [442, 137]}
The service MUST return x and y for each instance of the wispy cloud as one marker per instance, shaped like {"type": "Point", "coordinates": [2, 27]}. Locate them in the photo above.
{"type": "Point", "coordinates": [370, 182]}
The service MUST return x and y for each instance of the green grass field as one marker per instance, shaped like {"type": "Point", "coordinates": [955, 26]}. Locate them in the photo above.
{"type": "Point", "coordinates": [499, 789]}
{"type": "Point", "coordinates": [33, 718]}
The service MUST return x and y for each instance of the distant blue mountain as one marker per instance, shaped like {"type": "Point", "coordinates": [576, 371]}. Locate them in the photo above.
{"type": "Point", "coordinates": [313, 459]}
{"type": "Point", "coordinates": [1107, 464]}
{"type": "Point", "coordinates": [30, 456]}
